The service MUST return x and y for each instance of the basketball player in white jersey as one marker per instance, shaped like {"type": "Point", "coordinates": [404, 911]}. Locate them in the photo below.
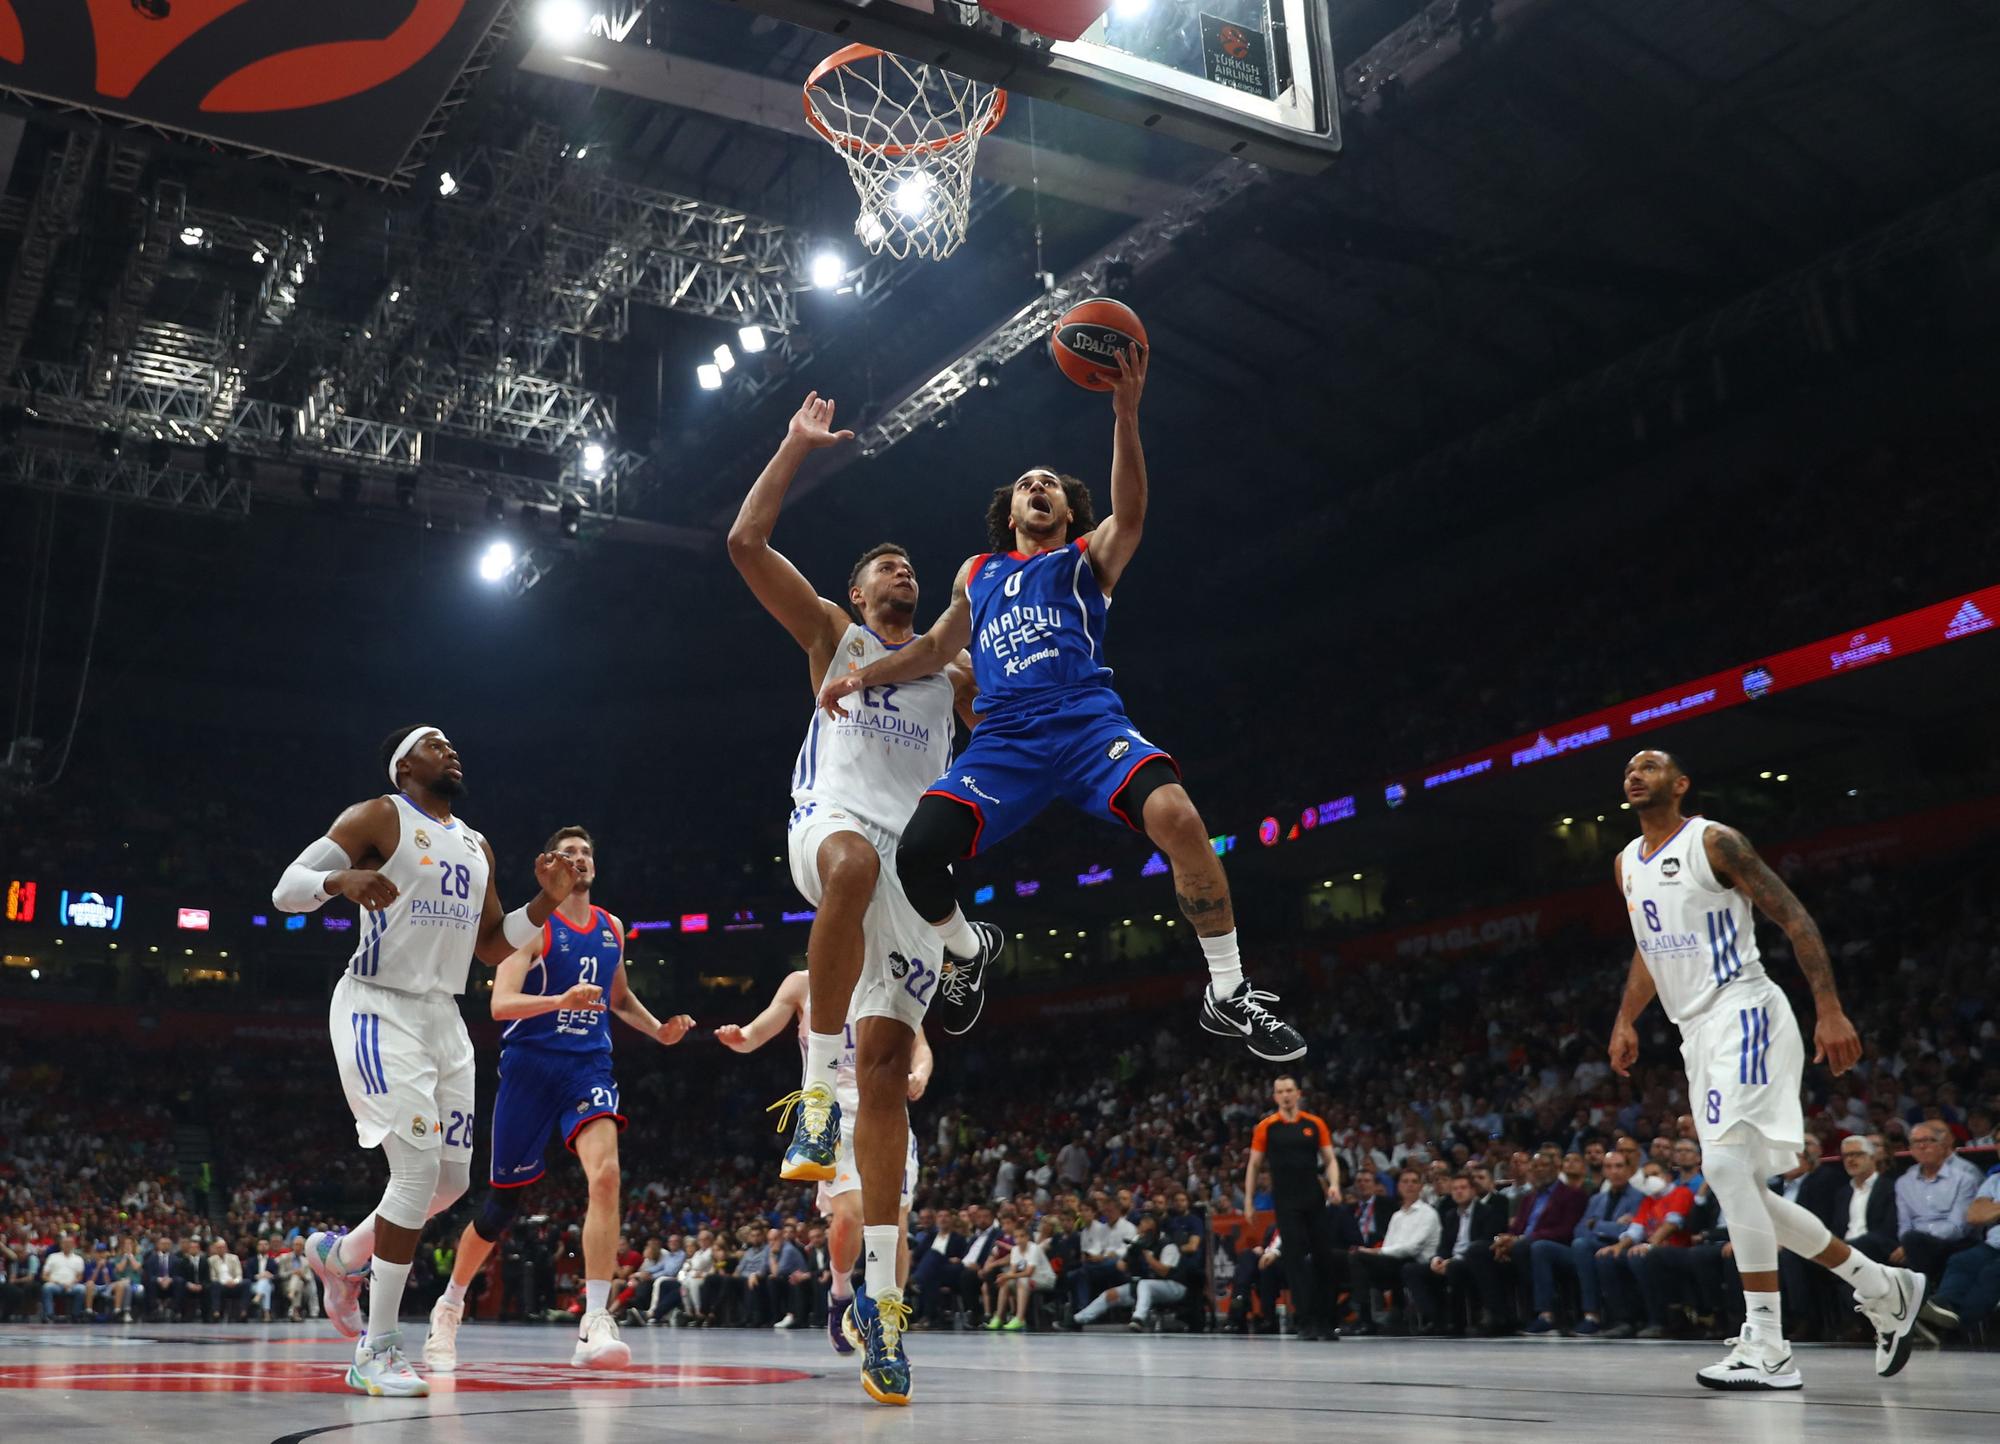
{"type": "Point", "coordinates": [424, 882]}
{"type": "Point", "coordinates": [857, 779]}
{"type": "Point", "coordinates": [840, 1198]}
{"type": "Point", "coordinates": [1690, 886]}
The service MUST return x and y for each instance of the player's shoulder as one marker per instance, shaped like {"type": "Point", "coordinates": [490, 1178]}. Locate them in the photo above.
{"type": "Point", "coordinates": [1319, 1125]}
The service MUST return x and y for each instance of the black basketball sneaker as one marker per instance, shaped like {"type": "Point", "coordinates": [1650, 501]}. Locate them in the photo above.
{"type": "Point", "coordinates": [961, 994]}
{"type": "Point", "coordinates": [1242, 1015]}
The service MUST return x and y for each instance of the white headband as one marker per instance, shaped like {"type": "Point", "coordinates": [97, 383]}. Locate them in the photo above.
{"type": "Point", "coordinates": [417, 735]}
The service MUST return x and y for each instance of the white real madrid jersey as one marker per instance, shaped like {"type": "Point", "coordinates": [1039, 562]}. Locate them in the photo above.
{"type": "Point", "coordinates": [1699, 939]}
{"type": "Point", "coordinates": [892, 743]}
{"type": "Point", "coordinates": [422, 942]}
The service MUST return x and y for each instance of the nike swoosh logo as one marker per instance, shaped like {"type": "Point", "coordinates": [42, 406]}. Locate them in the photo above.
{"type": "Point", "coordinates": [1902, 1302]}
{"type": "Point", "coordinates": [1243, 1028]}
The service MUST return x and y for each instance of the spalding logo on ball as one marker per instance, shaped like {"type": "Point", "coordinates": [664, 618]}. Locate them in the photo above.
{"type": "Point", "coordinates": [1088, 338]}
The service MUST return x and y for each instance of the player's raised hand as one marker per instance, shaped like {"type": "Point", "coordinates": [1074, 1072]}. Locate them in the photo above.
{"type": "Point", "coordinates": [843, 686]}
{"type": "Point", "coordinates": [557, 874]}
{"type": "Point", "coordinates": [812, 423]}
{"type": "Point", "coordinates": [675, 1029]}
{"type": "Point", "coordinates": [1835, 1042]}
{"type": "Point", "coordinates": [1130, 382]}
{"type": "Point", "coordinates": [731, 1036]}
{"type": "Point", "coordinates": [364, 886]}
{"type": "Point", "coordinates": [1624, 1048]}
{"type": "Point", "coordinates": [581, 998]}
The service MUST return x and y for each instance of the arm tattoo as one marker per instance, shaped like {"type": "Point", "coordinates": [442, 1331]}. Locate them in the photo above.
{"type": "Point", "coordinates": [1735, 861]}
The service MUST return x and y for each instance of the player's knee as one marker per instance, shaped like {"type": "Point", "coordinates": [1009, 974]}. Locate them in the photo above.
{"type": "Point", "coordinates": [848, 868]}
{"type": "Point", "coordinates": [496, 1213]}
{"type": "Point", "coordinates": [413, 1182]}
{"type": "Point", "coordinates": [454, 1178]}
{"type": "Point", "coordinates": [1171, 819]}
{"type": "Point", "coordinates": [603, 1179]}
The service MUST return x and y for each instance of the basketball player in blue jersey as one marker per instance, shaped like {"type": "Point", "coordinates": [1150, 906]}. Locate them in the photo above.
{"type": "Point", "coordinates": [1033, 611]}
{"type": "Point", "coordinates": [871, 958]}
{"type": "Point", "coordinates": [557, 997]}
{"type": "Point", "coordinates": [1690, 887]}
{"type": "Point", "coordinates": [424, 882]}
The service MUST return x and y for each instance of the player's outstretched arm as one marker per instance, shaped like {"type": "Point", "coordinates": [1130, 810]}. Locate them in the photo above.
{"type": "Point", "coordinates": [625, 1003]}
{"type": "Point", "coordinates": [814, 622]}
{"type": "Point", "coordinates": [326, 870]}
{"type": "Point", "coordinates": [933, 652]}
{"type": "Point", "coordinates": [1734, 860]}
{"type": "Point", "coordinates": [1117, 536]}
{"type": "Point", "coordinates": [500, 933]}
{"type": "Point", "coordinates": [787, 1003]}
{"type": "Point", "coordinates": [511, 1002]}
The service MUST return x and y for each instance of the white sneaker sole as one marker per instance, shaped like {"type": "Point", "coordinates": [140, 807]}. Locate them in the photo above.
{"type": "Point", "coordinates": [1747, 1383]}
{"type": "Point", "coordinates": [616, 1354]}
{"type": "Point", "coordinates": [360, 1385]}
{"type": "Point", "coordinates": [1888, 1365]}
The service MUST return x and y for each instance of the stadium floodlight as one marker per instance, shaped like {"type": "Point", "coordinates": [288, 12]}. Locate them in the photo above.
{"type": "Point", "coordinates": [913, 194]}
{"type": "Point", "coordinates": [563, 19]}
{"type": "Point", "coordinates": [751, 339]}
{"type": "Point", "coordinates": [725, 360]}
{"type": "Point", "coordinates": [709, 375]}
{"type": "Point", "coordinates": [447, 184]}
{"type": "Point", "coordinates": [192, 235]}
{"type": "Point", "coordinates": [496, 561]}
{"type": "Point", "coordinates": [593, 458]}
{"type": "Point", "coordinates": [827, 270]}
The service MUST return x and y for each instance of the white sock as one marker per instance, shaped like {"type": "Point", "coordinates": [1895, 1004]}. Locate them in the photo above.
{"type": "Point", "coordinates": [454, 1293]}
{"type": "Point", "coordinates": [1870, 1279]}
{"type": "Point", "coordinates": [842, 1287]}
{"type": "Point", "coordinates": [1765, 1313]}
{"type": "Point", "coordinates": [354, 1249]}
{"type": "Point", "coordinates": [823, 1058]}
{"type": "Point", "coordinates": [1225, 964]}
{"type": "Point", "coordinates": [596, 1295]}
{"type": "Point", "coordinates": [878, 1250]}
{"type": "Point", "coordinates": [959, 938]}
{"type": "Point", "coordinates": [385, 1298]}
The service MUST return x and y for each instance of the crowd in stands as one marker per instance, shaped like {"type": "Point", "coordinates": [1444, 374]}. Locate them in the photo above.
{"type": "Point", "coordinates": [1499, 1176]}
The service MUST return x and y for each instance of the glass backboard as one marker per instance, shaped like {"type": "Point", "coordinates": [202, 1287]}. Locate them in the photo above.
{"type": "Point", "coordinates": [1253, 78]}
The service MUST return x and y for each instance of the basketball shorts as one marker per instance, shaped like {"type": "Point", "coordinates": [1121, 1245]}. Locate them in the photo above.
{"type": "Point", "coordinates": [406, 1065]}
{"type": "Point", "coordinates": [847, 1177]}
{"type": "Point", "coordinates": [544, 1092]}
{"type": "Point", "coordinates": [901, 952]}
{"type": "Point", "coordinates": [1746, 1064]}
{"type": "Point", "coordinates": [1082, 750]}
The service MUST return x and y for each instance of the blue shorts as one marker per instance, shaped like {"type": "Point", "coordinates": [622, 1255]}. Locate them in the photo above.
{"type": "Point", "coordinates": [546, 1091]}
{"type": "Point", "coordinates": [1081, 748]}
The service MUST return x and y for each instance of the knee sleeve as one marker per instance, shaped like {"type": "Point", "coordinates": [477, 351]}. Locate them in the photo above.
{"type": "Point", "coordinates": [413, 1182]}
{"type": "Point", "coordinates": [940, 832]}
{"type": "Point", "coordinates": [1130, 800]}
{"type": "Point", "coordinates": [1735, 1174]}
{"type": "Point", "coordinates": [454, 1178]}
{"type": "Point", "coordinates": [496, 1213]}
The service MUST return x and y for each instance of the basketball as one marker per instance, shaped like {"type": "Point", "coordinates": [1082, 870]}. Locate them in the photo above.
{"type": "Point", "coordinates": [1088, 338]}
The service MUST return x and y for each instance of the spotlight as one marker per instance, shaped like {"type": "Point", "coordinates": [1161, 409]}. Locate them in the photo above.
{"type": "Point", "coordinates": [406, 493]}
{"type": "Point", "coordinates": [562, 19]}
{"type": "Point", "coordinates": [1357, 877]}
{"type": "Point", "coordinates": [725, 360]}
{"type": "Point", "coordinates": [1784, 777]}
{"type": "Point", "coordinates": [569, 519]}
{"type": "Point", "coordinates": [496, 561]}
{"type": "Point", "coordinates": [827, 270]}
{"type": "Point", "coordinates": [309, 482]}
{"type": "Point", "coordinates": [947, 416]}
{"type": "Point", "coordinates": [986, 376]}
{"type": "Point", "coordinates": [1765, 775]}
{"type": "Point", "coordinates": [447, 184]}
{"type": "Point", "coordinates": [593, 458]}
{"type": "Point", "coordinates": [215, 460]}
{"type": "Point", "coordinates": [191, 235]}
{"type": "Point", "coordinates": [709, 375]}
{"type": "Point", "coordinates": [258, 256]}
{"type": "Point", "coordinates": [913, 194]}
{"type": "Point", "coordinates": [395, 295]}
{"type": "Point", "coordinates": [1568, 820]}
{"type": "Point", "coordinates": [751, 339]}
{"type": "Point", "coordinates": [496, 509]}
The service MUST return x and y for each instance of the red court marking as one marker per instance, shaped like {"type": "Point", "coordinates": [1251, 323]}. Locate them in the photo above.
{"type": "Point", "coordinates": [298, 1376]}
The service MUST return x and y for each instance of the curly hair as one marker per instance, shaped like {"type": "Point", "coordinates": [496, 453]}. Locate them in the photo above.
{"type": "Point", "coordinates": [1000, 514]}
{"type": "Point", "coordinates": [880, 549]}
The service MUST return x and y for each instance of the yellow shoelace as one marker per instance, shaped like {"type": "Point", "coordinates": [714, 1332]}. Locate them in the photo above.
{"type": "Point", "coordinates": [895, 1320]}
{"type": "Point", "coordinates": [815, 1104]}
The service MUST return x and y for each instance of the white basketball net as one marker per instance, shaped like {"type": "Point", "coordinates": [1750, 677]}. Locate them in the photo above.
{"type": "Point", "coordinates": [909, 134]}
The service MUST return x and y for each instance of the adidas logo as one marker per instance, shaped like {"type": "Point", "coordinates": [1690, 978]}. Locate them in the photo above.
{"type": "Point", "coordinates": [1967, 620]}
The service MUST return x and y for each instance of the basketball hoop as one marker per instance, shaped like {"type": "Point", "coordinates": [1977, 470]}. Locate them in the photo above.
{"type": "Point", "coordinates": [909, 134]}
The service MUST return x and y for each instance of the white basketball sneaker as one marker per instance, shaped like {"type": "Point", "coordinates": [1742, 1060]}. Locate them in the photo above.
{"type": "Point", "coordinates": [1754, 1363]}
{"type": "Point", "coordinates": [340, 1289]}
{"type": "Point", "coordinates": [598, 1346]}
{"type": "Point", "coordinates": [1893, 1316]}
{"type": "Point", "coordinates": [441, 1343]}
{"type": "Point", "coordinates": [384, 1372]}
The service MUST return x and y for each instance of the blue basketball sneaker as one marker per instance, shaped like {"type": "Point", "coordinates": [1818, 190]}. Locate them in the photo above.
{"type": "Point", "coordinates": [840, 1330]}
{"type": "Point", "coordinates": [816, 1136]}
{"type": "Point", "coordinates": [885, 1370]}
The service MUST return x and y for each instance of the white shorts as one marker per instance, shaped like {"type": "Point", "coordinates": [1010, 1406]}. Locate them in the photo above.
{"type": "Point", "coordinates": [1746, 1064]}
{"type": "Point", "coordinates": [847, 1177]}
{"type": "Point", "coordinates": [406, 1065]}
{"type": "Point", "coordinates": [901, 952]}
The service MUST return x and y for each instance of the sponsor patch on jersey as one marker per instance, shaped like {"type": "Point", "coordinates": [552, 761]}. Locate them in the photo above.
{"type": "Point", "coordinates": [423, 839]}
{"type": "Point", "coordinates": [418, 1127]}
{"type": "Point", "coordinates": [609, 941]}
{"type": "Point", "coordinates": [1670, 867]}
{"type": "Point", "coordinates": [899, 966]}
{"type": "Point", "coordinates": [1119, 749]}
{"type": "Point", "coordinates": [583, 1107]}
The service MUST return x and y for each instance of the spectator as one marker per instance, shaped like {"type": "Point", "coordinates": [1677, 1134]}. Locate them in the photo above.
{"type": "Point", "coordinates": [225, 1283]}
{"type": "Point", "coordinates": [100, 1277]}
{"type": "Point", "coordinates": [1606, 1216]}
{"type": "Point", "coordinates": [1465, 1219]}
{"type": "Point", "coordinates": [1549, 1209]}
{"type": "Point", "coordinates": [1971, 1289]}
{"type": "Point", "coordinates": [261, 1274]}
{"type": "Point", "coordinates": [1687, 1165]}
{"type": "Point", "coordinates": [930, 1268]}
{"type": "Point", "coordinates": [1029, 1270]}
{"type": "Point", "coordinates": [1659, 1223]}
{"type": "Point", "coordinates": [696, 1276]}
{"type": "Point", "coordinates": [1155, 1274]}
{"type": "Point", "coordinates": [1932, 1200]}
{"type": "Point", "coordinates": [1257, 1276]}
{"type": "Point", "coordinates": [62, 1278]}
{"type": "Point", "coordinates": [1413, 1234]}
{"type": "Point", "coordinates": [301, 1289]}
{"type": "Point", "coordinates": [1099, 1247]}
{"type": "Point", "coordinates": [125, 1263]}
{"type": "Point", "coordinates": [790, 1282]}
{"type": "Point", "coordinates": [161, 1276]}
